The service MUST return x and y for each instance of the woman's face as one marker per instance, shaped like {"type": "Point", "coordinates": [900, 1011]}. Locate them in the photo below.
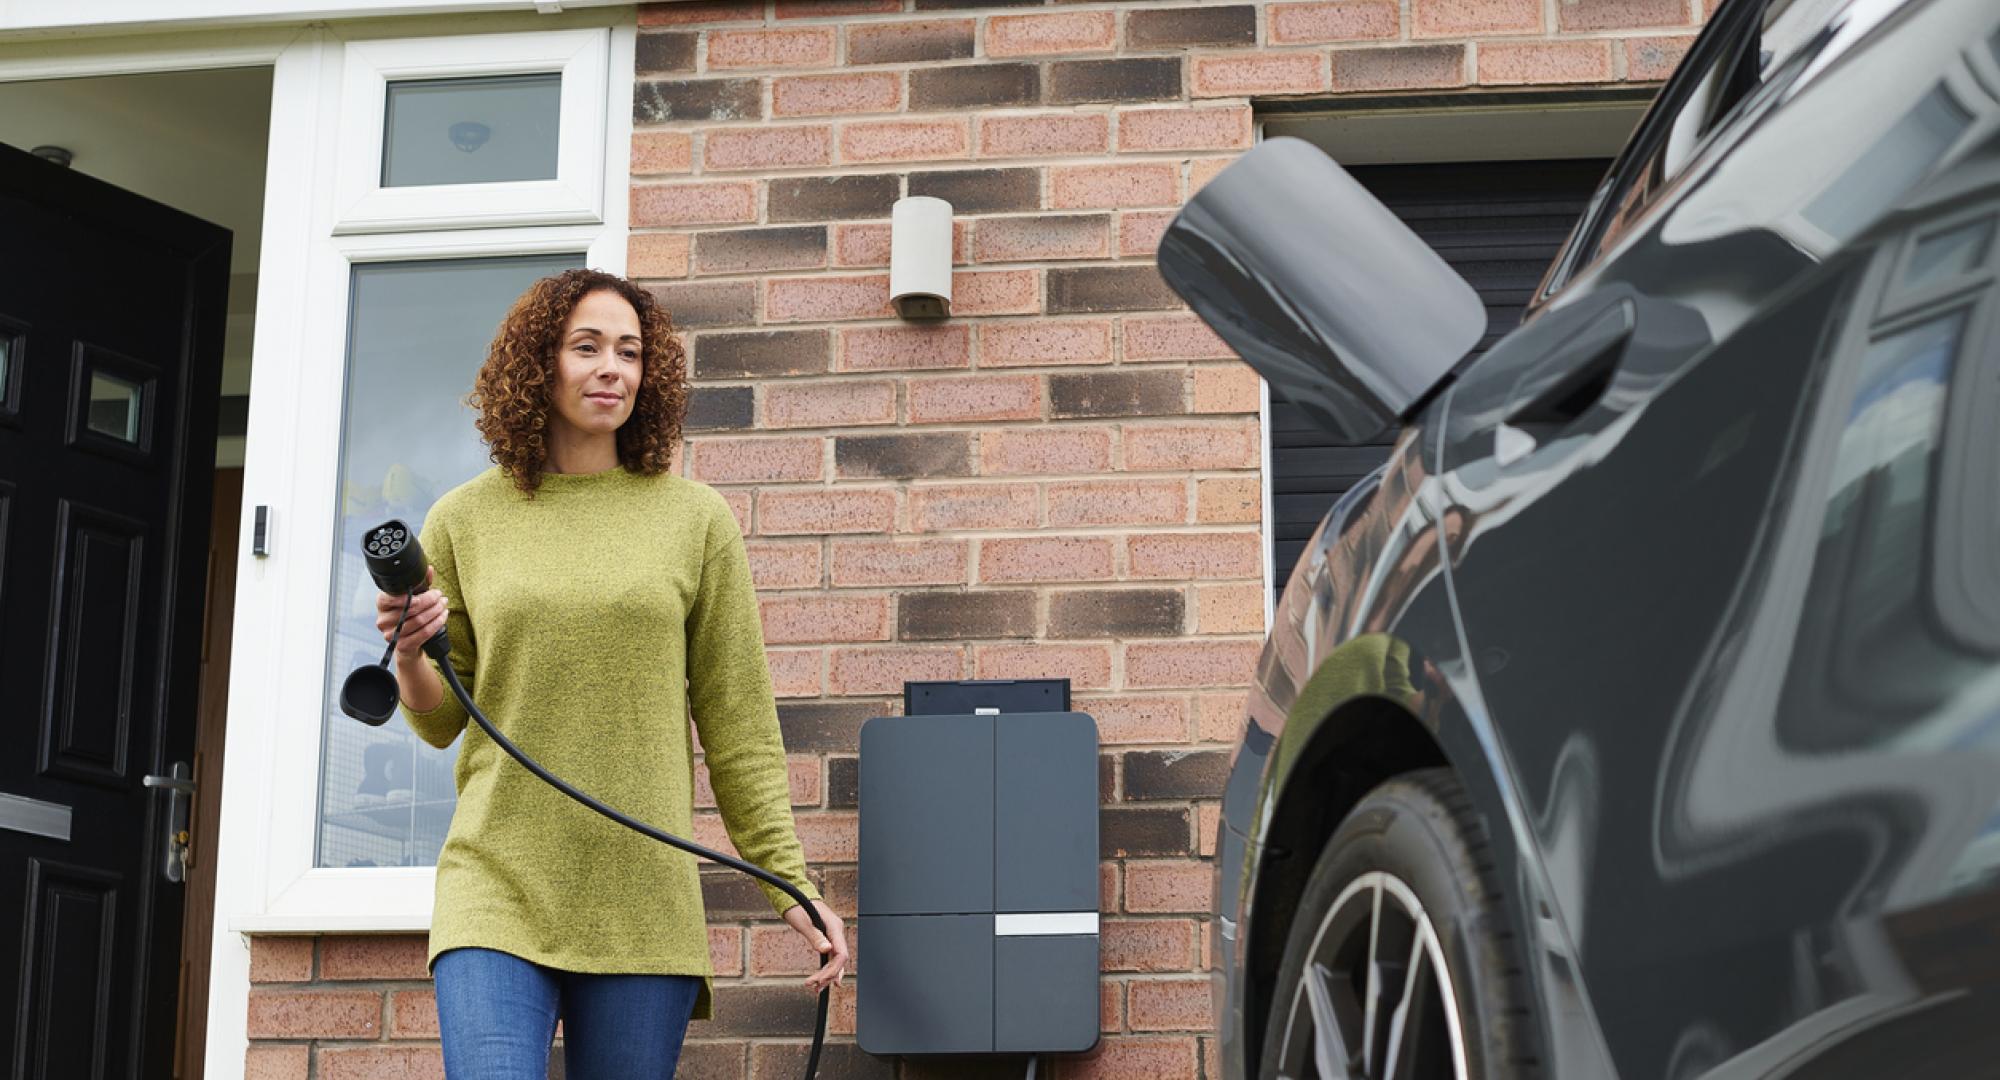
{"type": "Point", "coordinates": [598, 363]}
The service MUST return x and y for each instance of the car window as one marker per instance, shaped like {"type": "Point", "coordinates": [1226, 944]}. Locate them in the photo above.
{"type": "Point", "coordinates": [1743, 48]}
{"type": "Point", "coordinates": [1792, 26]}
{"type": "Point", "coordinates": [1729, 70]}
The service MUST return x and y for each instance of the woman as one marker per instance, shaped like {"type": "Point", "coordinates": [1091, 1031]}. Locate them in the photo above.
{"type": "Point", "coordinates": [594, 600]}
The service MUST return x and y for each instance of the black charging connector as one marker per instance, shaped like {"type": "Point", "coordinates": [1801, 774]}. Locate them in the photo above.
{"type": "Point", "coordinates": [396, 562]}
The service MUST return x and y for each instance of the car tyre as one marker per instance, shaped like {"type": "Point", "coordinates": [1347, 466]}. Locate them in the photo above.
{"type": "Point", "coordinates": [1402, 963]}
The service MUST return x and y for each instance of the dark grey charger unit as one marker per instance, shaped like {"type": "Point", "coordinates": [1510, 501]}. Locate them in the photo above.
{"type": "Point", "coordinates": [979, 884]}
{"type": "Point", "coordinates": [985, 695]}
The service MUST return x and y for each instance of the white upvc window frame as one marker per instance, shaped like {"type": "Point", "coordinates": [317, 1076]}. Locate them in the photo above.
{"type": "Point", "coordinates": [575, 196]}
{"type": "Point", "coordinates": [311, 246]}
{"type": "Point", "coordinates": [297, 894]}
{"type": "Point", "coordinates": [141, 16]}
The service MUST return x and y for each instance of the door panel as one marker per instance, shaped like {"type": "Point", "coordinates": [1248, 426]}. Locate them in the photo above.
{"type": "Point", "coordinates": [113, 312]}
{"type": "Point", "coordinates": [93, 631]}
{"type": "Point", "coordinates": [72, 932]}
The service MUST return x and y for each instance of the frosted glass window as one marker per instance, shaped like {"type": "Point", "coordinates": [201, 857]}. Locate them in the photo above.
{"type": "Point", "coordinates": [114, 406]}
{"type": "Point", "coordinates": [417, 334]}
{"type": "Point", "coordinates": [471, 131]}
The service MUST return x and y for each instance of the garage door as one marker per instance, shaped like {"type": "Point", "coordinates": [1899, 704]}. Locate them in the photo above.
{"type": "Point", "coordinates": [1499, 225]}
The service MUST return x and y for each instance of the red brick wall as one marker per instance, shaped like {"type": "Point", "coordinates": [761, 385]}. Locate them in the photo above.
{"type": "Point", "coordinates": [357, 1008]}
{"type": "Point", "coordinates": [1063, 479]}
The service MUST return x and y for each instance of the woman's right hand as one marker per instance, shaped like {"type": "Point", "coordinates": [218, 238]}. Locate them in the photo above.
{"type": "Point", "coordinates": [428, 610]}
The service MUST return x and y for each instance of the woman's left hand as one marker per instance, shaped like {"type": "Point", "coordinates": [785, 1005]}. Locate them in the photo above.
{"type": "Point", "coordinates": [832, 946]}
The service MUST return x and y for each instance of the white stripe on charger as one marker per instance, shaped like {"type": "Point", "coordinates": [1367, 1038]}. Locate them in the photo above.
{"type": "Point", "coordinates": [1045, 924]}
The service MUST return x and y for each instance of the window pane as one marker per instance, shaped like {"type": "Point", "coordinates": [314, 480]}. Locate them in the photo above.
{"type": "Point", "coordinates": [114, 407]}
{"type": "Point", "coordinates": [1706, 97]}
{"type": "Point", "coordinates": [471, 131]}
{"type": "Point", "coordinates": [7, 346]}
{"type": "Point", "coordinates": [417, 333]}
{"type": "Point", "coordinates": [1948, 254]}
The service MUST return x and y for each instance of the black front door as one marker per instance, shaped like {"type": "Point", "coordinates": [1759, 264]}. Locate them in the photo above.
{"type": "Point", "coordinates": [111, 319]}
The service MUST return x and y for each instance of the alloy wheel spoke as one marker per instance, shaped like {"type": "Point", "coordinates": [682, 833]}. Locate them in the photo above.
{"type": "Point", "coordinates": [1330, 1050]}
{"type": "Point", "coordinates": [1406, 1026]}
{"type": "Point", "coordinates": [1373, 994]}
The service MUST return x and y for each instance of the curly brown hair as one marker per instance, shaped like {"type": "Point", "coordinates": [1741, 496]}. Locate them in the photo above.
{"type": "Point", "coordinates": [511, 393]}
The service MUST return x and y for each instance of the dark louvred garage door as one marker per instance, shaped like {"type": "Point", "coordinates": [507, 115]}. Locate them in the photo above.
{"type": "Point", "coordinates": [1498, 224]}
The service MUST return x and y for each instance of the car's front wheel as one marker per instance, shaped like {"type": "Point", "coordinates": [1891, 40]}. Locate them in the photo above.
{"type": "Point", "coordinates": [1400, 964]}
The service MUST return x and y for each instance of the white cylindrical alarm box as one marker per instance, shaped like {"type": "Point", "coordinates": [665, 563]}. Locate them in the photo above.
{"type": "Point", "coordinates": [920, 257]}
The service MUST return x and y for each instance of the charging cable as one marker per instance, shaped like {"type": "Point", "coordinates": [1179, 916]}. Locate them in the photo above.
{"type": "Point", "coordinates": [393, 553]}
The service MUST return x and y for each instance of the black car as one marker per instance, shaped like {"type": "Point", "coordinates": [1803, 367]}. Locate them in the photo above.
{"type": "Point", "coordinates": [1641, 717]}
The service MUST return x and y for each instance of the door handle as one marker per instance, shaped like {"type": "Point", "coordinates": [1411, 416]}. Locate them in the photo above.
{"type": "Point", "coordinates": [171, 783]}
{"type": "Point", "coordinates": [179, 786]}
{"type": "Point", "coordinates": [1560, 390]}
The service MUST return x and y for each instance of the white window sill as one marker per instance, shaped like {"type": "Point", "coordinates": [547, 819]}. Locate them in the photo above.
{"type": "Point", "coordinates": [358, 923]}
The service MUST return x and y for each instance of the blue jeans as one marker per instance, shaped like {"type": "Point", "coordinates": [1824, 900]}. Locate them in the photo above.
{"type": "Point", "coordinates": [497, 1015]}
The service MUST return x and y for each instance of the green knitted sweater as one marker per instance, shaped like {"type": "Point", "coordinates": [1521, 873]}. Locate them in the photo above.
{"type": "Point", "coordinates": [588, 622]}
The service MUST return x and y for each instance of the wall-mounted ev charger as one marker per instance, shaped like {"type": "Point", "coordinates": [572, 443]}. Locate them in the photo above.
{"type": "Point", "coordinates": [945, 697]}
{"type": "Point", "coordinates": [979, 881]}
